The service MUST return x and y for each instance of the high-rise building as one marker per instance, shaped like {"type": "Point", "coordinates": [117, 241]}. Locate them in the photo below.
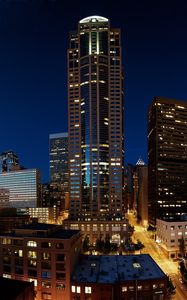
{"type": "Point", "coordinates": [95, 110]}
{"type": "Point", "coordinates": [167, 159]}
{"type": "Point", "coordinates": [59, 176]}
{"type": "Point", "coordinates": [140, 191]}
{"type": "Point", "coordinates": [58, 144]}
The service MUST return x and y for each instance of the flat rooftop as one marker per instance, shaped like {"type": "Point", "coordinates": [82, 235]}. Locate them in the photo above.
{"type": "Point", "coordinates": [38, 230]}
{"type": "Point", "coordinates": [11, 289]}
{"type": "Point", "coordinates": [116, 268]}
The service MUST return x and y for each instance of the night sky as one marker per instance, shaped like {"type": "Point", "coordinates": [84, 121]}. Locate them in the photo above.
{"type": "Point", "coordinates": [33, 68]}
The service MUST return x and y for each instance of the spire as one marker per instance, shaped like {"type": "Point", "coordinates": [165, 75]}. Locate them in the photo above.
{"type": "Point", "coordinates": [140, 162]}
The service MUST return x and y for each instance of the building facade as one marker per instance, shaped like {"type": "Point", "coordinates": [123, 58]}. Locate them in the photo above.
{"type": "Point", "coordinates": [167, 159]}
{"type": "Point", "coordinates": [170, 235]}
{"type": "Point", "coordinates": [58, 147]}
{"type": "Point", "coordinates": [59, 175]}
{"type": "Point", "coordinates": [95, 110]}
{"type": "Point", "coordinates": [140, 192]}
{"type": "Point", "coordinates": [22, 186]}
{"type": "Point", "coordinates": [44, 254]}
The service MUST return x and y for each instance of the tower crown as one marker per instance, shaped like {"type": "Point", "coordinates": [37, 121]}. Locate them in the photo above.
{"type": "Point", "coordinates": [93, 19]}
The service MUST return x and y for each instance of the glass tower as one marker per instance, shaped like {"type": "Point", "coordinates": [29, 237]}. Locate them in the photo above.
{"type": "Point", "coordinates": [58, 144]}
{"type": "Point", "coordinates": [59, 176]}
{"type": "Point", "coordinates": [95, 108]}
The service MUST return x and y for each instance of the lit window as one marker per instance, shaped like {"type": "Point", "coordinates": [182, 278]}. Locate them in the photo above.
{"type": "Point", "coordinates": [73, 289]}
{"type": "Point", "coordinates": [78, 289]}
{"type": "Point", "coordinates": [31, 244]}
{"type": "Point", "coordinates": [88, 289]}
{"type": "Point", "coordinates": [124, 289]}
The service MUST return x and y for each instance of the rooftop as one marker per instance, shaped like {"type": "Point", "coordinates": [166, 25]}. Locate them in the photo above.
{"type": "Point", "coordinates": [117, 268]}
{"type": "Point", "coordinates": [11, 289]}
{"type": "Point", "coordinates": [38, 230]}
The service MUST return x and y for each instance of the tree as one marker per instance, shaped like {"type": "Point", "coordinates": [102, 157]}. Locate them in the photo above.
{"type": "Point", "coordinates": [86, 244]}
{"type": "Point", "coordinates": [99, 246]}
{"type": "Point", "coordinates": [182, 247]}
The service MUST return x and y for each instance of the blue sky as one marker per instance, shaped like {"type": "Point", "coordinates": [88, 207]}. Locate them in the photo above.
{"type": "Point", "coordinates": [33, 81]}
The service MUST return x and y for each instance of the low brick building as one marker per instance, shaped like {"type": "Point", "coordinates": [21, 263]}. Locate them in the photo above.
{"type": "Point", "coordinates": [120, 277]}
{"type": "Point", "coordinates": [43, 253]}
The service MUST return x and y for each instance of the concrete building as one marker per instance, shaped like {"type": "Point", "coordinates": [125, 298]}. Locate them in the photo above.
{"type": "Point", "coordinates": [170, 235]}
{"type": "Point", "coordinates": [167, 159]}
{"type": "Point", "coordinates": [119, 231]}
{"type": "Point", "coordinates": [43, 253]}
{"type": "Point", "coordinates": [120, 277]}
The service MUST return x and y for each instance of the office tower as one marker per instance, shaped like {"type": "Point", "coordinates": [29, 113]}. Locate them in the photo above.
{"type": "Point", "coordinates": [22, 188]}
{"type": "Point", "coordinates": [59, 177]}
{"type": "Point", "coordinates": [167, 159]}
{"type": "Point", "coordinates": [58, 144]}
{"type": "Point", "coordinates": [128, 186]}
{"type": "Point", "coordinates": [140, 191]}
{"type": "Point", "coordinates": [8, 161]}
{"type": "Point", "coordinates": [19, 187]}
{"type": "Point", "coordinates": [95, 110]}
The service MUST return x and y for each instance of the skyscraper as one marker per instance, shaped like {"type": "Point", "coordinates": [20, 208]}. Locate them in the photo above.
{"type": "Point", "coordinates": [58, 144]}
{"type": "Point", "coordinates": [59, 176]}
{"type": "Point", "coordinates": [95, 109]}
{"type": "Point", "coordinates": [167, 159]}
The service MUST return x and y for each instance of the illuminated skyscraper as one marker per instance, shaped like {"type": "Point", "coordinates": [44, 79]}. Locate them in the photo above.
{"type": "Point", "coordinates": [59, 177]}
{"type": "Point", "coordinates": [58, 144]}
{"type": "Point", "coordinates": [167, 159]}
{"type": "Point", "coordinates": [96, 142]}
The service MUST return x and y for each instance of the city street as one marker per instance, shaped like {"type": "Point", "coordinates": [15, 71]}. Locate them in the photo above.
{"type": "Point", "coordinates": [168, 266]}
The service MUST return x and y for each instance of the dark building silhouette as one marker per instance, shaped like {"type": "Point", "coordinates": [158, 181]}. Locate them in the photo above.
{"type": "Point", "coordinates": [167, 159]}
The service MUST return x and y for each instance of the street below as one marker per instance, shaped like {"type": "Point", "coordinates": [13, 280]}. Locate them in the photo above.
{"type": "Point", "coordinates": [152, 248]}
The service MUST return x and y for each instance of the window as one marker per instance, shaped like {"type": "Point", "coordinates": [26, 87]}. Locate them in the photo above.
{"type": "Point", "coordinates": [32, 254]}
{"type": "Point", "coordinates": [60, 286]}
{"type": "Point", "coordinates": [60, 246]}
{"type": "Point", "coordinates": [46, 274]}
{"type": "Point", "coordinates": [46, 284]}
{"type": "Point", "coordinates": [88, 290]}
{"type": "Point", "coordinates": [60, 257]}
{"type": "Point", "coordinates": [6, 241]}
{"type": "Point", "coordinates": [46, 256]}
{"type": "Point", "coordinates": [46, 296]}
{"type": "Point", "coordinates": [140, 287]}
{"type": "Point", "coordinates": [124, 288]}
{"type": "Point", "coordinates": [31, 244]}
{"type": "Point", "coordinates": [75, 289]}
{"type": "Point", "coordinates": [60, 276]}
{"type": "Point", "coordinates": [46, 245]}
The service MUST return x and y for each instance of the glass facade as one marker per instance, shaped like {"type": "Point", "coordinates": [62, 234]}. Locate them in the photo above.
{"type": "Point", "coordinates": [58, 144]}
{"type": "Point", "coordinates": [95, 95]}
{"type": "Point", "coordinates": [22, 187]}
{"type": "Point", "coordinates": [59, 176]}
